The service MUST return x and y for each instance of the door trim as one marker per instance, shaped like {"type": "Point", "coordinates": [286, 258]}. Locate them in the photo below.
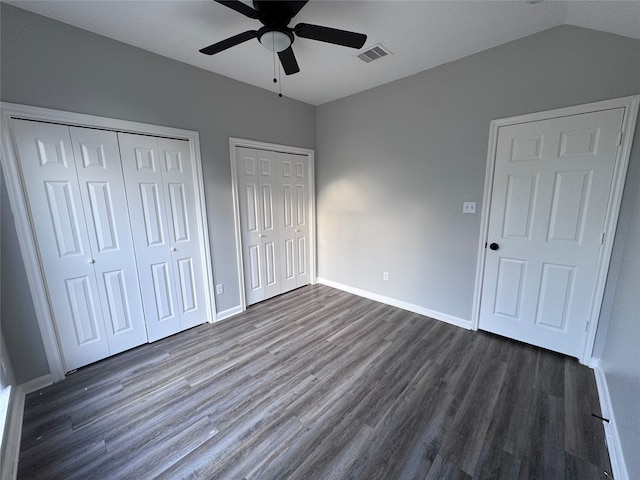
{"type": "Point", "coordinates": [630, 104]}
{"type": "Point", "coordinates": [240, 142]}
{"type": "Point", "coordinates": [26, 235]}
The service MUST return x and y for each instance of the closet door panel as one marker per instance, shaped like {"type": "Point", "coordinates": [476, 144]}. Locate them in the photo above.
{"type": "Point", "coordinates": [141, 165]}
{"type": "Point", "coordinates": [99, 170]}
{"type": "Point", "coordinates": [287, 227]}
{"type": "Point", "coordinates": [301, 172]}
{"type": "Point", "coordinates": [259, 203]}
{"type": "Point", "coordinates": [57, 217]}
{"type": "Point", "coordinates": [250, 204]}
{"type": "Point", "coordinates": [294, 230]}
{"type": "Point", "coordinates": [184, 233]}
{"type": "Point", "coordinates": [270, 221]}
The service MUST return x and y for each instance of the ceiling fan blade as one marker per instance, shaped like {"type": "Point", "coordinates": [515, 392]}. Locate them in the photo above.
{"type": "Point", "coordinates": [330, 35]}
{"type": "Point", "coordinates": [229, 42]}
{"type": "Point", "coordinates": [288, 60]}
{"type": "Point", "coordinates": [239, 7]}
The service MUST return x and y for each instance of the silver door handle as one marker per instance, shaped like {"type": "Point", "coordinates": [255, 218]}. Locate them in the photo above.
{"type": "Point", "coordinates": [173, 249]}
{"type": "Point", "coordinates": [261, 235]}
{"type": "Point", "coordinates": [91, 260]}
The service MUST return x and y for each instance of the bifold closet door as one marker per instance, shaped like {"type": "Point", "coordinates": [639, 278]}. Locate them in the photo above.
{"type": "Point", "coordinates": [75, 194]}
{"type": "Point", "coordinates": [257, 187]}
{"type": "Point", "coordinates": [160, 188]}
{"type": "Point", "coordinates": [274, 209]}
{"type": "Point", "coordinates": [99, 171]}
{"type": "Point", "coordinates": [293, 171]}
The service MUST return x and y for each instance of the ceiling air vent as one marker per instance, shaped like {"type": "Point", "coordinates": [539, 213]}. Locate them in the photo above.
{"type": "Point", "coordinates": [374, 53]}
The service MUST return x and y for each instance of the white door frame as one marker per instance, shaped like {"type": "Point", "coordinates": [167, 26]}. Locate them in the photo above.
{"type": "Point", "coordinates": [26, 235]}
{"type": "Point", "coordinates": [240, 142]}
{"type": "Point", "coordinates": [630, 104]}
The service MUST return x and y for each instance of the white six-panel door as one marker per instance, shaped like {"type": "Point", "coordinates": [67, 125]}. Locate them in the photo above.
{"type": "Point", "coordinates": [274, 208]}
{"type": "Point", "coordinates": [552, 182]}
{"type": "Point", "coordinates": [88, 267]}
{"type": "Point", "coordinates": [160, 195]}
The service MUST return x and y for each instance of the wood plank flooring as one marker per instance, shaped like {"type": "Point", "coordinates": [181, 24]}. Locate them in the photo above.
{"type": "Point", "coordinates": [320, 384]}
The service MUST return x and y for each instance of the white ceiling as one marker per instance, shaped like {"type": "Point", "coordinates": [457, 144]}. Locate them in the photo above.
{"type": "Point", "coordinates": [421, 34]}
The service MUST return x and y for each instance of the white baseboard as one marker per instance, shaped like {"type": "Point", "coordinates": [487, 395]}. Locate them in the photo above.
{"type": "Point", "coordinates": [11, 448]}
{"type": "Point", "coordinates": [36, 384]}
{"type": "Point", "coordinates": [228, 313]}
{"type": "Point", "coordinates": [458, 322]}
{"type": "Point", "coordinates": [610, 429]}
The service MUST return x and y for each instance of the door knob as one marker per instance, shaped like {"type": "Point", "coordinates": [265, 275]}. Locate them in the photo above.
{"type": "Point", "coordinates": [173, 249]}
{"type": "Point", "coordinates": [91, 260]}
{"type": "Point", "coordinates": [494, 246]}
{"type": "Point", "coordinates": [261, 235]}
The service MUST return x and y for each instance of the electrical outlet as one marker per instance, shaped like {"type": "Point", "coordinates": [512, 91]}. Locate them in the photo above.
{"type": "Point", "coordinates": [219, 289]}
{"type": "Point", "coordinates": [385, 276]}
{"type": "Point", "coordinates": [469, 207]}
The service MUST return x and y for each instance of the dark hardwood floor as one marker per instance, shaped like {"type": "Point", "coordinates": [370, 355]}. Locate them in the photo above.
{"type": "Point", "coordinates": [320, 384]}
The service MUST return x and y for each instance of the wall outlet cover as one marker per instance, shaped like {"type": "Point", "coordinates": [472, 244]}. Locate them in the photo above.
{"type": "Point", "coordinates": [469, 207]}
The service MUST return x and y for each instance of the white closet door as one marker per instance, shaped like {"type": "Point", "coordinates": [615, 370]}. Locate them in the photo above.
{"type": "Point", "coordinates": [294, 227]}
{"type": "Point", "coordinates": [184, 234]}
{"type": "Point", "coordinates": [141, 165]}
{"type": "Point", "coordinates": [101, 183]}
{"type": "Point", "coordinates": [49, 174]}
{"type": "Point", "coordinates": [257, 189]}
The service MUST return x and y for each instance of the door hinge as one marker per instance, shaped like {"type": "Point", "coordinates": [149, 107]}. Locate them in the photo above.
{"type": "Point", "coordinates": [602, 235]}
{"type": "Point", "coordinates": [620, 135]}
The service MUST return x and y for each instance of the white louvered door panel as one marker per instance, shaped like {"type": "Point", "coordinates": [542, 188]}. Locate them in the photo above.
{"type": "Point", "coordinates": [57, 216]}
{"type": "Point", "coordinates": [101, 182]}
{"type": "Point", "coordinates": [178, 179]}
{"type": "Point", "coordinates": [550, 195]}
{"type": "Point", "coordinates": [141, 165]}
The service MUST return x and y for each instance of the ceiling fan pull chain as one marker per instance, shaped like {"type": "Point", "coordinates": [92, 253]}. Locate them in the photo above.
{"type": "Point", "coordinates": [279, 82]}
{"type": "Point", "coordinates": [274, 60]}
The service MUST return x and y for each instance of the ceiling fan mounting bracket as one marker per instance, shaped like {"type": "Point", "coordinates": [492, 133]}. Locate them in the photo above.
{"type": "Point", "coordinates": [273, 15]}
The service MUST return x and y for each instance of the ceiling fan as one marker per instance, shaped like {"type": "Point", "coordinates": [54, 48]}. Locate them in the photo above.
{"type": "Point", "coordinates": [277, 36]}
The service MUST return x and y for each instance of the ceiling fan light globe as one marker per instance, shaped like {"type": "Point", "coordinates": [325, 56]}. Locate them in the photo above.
{"type": "Point", "coordinates": [275, 40]}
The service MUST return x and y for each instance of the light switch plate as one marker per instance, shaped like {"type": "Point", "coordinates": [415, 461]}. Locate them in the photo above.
{"type": "Point", "coordinates": [469, 207]}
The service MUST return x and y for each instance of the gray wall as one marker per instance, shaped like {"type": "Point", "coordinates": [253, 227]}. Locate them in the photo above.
{"type": "Point", "coordinates": [621, 355]}
{"type": "Point", "coordinates": [50, 64]}
{"type": "Point", "coordinates": [7, 376]}
{"type": "Point", "coordinates": [19, 324]}
{"type": "Point", "coordinates": [396, 162]}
